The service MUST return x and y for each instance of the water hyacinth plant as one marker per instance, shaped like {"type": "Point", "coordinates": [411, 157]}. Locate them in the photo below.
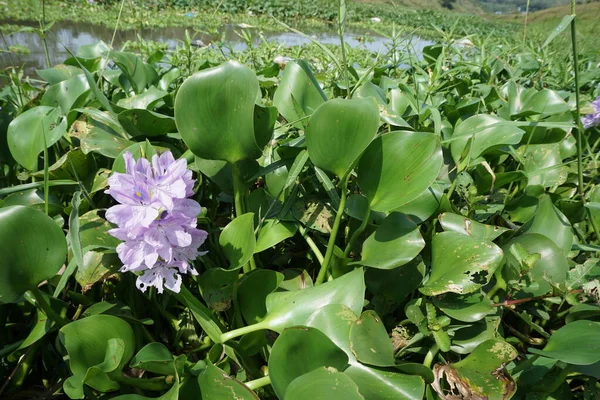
{"type": "Point", "coordinates": [156, 220]}
{"type": "Point", "coordinates": [330, 226]}
{"type": "Point", "coordinates": [592, 119]}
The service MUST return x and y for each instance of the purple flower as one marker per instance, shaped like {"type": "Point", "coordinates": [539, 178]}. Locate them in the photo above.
{"type": "Point", "coordinates": [155, 220]}
{"type": "Point", "coordinates": [592, 119]}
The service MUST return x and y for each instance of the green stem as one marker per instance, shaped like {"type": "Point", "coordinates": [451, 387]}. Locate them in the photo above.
{"type": "Point", "coordinates": [260, 382]}
{"type": "Point", "coordinates": [358, 232]}
{"type": "Point", "coordinates": [46, 174]}
{"type": "Point", "coordinates": [43, 30]}
{"type": "Point", "coordinates": [40, 302]}
{"type": "Point", "coordinates": [334, 231]}
{"type": "Point", "coordinates": [242, 331]}
{"type": "Point", "coordinates": [239, 190]}
{"type": "Point", "coordinates": [341, 25]}
{"type": "Point", "coordinates": [580, 186]}
{"type": "Point", "coordinates": [311, 243]}
{"type": "Point", "coordinates": [431, 353]}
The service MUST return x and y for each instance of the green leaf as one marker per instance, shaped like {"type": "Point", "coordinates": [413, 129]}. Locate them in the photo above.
{"type": "Point", "coordinates": [94, 137]}
{"type": "Point", "coordinates": [300, 350]}
{"type": "Point", "coordinates": [550, 267]}
{"type": "Point", "coordinates": [323, 384]}
{"type": "Point", "coordinates": [466, 308]}
{"type": "Point", "coordinates": [391, 287]}
{"type": "Point", "coordinates": [273, 232]}
{"type": "Point", "coordinates": [88, 342]}
{"type": "Point", "coordinates": [543, 164]}
{"type": "Point", "coordinates": [564, 24]}
{"type": "Point", "coordinates": [35, 199]}
{"type": "Point", "coordinates": [480, 375]}
{"type": "Point", "coordinates": [67, 94]}
{"type": "Point", "coordinates": [253, 291]}
{"type": "Point", "coordinates": [545, 102]}
{"type": "Point", "coordinates": [550, 222]}
{"type": "Point", "coordinates": [395, 242]}
{"type": "Point", "coordinates": [146, 123]}
{"type": "Point", "coordinates": [576, 343]}
{"type": "Point", "coordinates": [27, 131]}
{"type": "Point", "coordinates": [460, 264]}
{"type": "Point", "coordinates": [398, 167]}
{"type": "Point", "coordinates": [298, 88]}
{"type": "Point", "coordinates": [379, 383]}
{"type": "Point", "coordinates": [335, 321]}
{"type": "Point", "coordinates": [425, 205]}
{"type": "Point", "coordinates": [216, 384]}
{"type": "Point", "coordinates": [482, 133]}
{"type": "Point", "coordinates": [369, 341]}
{"type": "Point", "coordinates": [238, 241]}
{"type": "Point", "coordinates": [338, 133]}
{"type": "Point", "coordinates": [285, 309]}
{"type": "Point", "coordinates": [142, 101]}
{"type": "Point", "coordinates": [154, 357]}
{"type": "Point", "coordinates": [457, 223]}
{"type": "Point", "coordinates": [214, 112]}
{"type": "Point", "coordinates": [58, 73]}
{"type": "Point", "coordinates": [137, 150]}
{"type": "Point", "coordinates": [217, 286]}
{"type": "Point", "coordinates": [34, 249]}
{"type": "Point", "coordinates": [133, 68]}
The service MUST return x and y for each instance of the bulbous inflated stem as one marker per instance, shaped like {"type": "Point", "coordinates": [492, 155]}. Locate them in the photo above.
{"type": "Point", "coordinates": [214, 113]}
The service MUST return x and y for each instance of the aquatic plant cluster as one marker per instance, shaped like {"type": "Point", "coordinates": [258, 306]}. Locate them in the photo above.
{"type": "Point", "coordinates": [302, 223]}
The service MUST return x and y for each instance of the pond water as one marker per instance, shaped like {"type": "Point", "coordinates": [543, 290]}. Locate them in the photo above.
{"type": "Point", "coordinates": [72, 35]}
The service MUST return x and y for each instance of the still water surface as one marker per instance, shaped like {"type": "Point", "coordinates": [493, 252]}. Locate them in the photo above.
{"type": "Point", "coordinates": [72, 35]}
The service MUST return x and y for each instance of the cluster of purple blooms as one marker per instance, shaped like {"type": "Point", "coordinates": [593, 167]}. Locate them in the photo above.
{"type": "Point", "coordinates": [592, 119]}
{"type": "Point", "coordinates": [156, 220]}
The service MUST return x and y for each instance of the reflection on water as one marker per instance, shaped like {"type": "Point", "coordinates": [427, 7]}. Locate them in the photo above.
{"type": "Point", "coordinates": [72, 35]}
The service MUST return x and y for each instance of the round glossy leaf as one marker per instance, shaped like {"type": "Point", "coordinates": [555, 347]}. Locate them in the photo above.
{"type": "Point", "coordinates": [273, 232]}
{"type": "Point", "coordinates": [466, 308]}
{"type": "Point", "coordinates": [27, 131]}
{"type": "Point", "coordinates": [214, 112]}
{"type": "Point", "coordinates": [216, 384]}
{"type": "Point", "coordinates": [550, 222]}
{"type": "Point", "coordinates": [98, 346]}
{"type": "Point", "coordinates": [543, 164]}
{"type": "Point", "coordinates": [550, 267]}
{"type": "Point", "coordinates": [139, 122]}
{"type": "Point", "coordinates": [468, 337]}
{"type": "Point", "coordinates": [217, 287]}
{"type": "Point", "coordinates": [425, 205]}
{"type": "Point", "coordinates": [460, 264]}
{"type": "Point", "coordinates": [379, 383]}
{"type": "Point", "coordinates": [299, 94]}
{"type": "Point", "coordinates": [480, 133]}
{"type": "Point", "coordinates": [34, 249]}
{"type": "Point", "coordinates": [335, 320]}
{"type": "Point", "coordinates": [575, 343]}
{"type": "Point", "coordinates": [339, 131]}
{"type": "Point", "coordinates": [34, 198]}
{"type": "Point", "coordinates": [395, 242]}
{"type": "Point", "coordinates": [285, 309]}
{"type": "Point", "coordinates": [398, 167]}
{"type": "Point", "coordinates": [67, 94]}
{"type": "Point", "coordinates": [300, 350]}
{"type": "Point", "coordinates": [457, 223]}
{"type": "Point", "coordinates": [370, 342]}
{"type": "Point", "coordinates": [545, 102]}
{"type": "Point", "coordinates": [323, 384]}
{"type": "Point", "coordinates": [253, 290]}
{"type": "Point", "coordinates": [238, 241]}
{"type": "Point", "coordinates": [154, 357]}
